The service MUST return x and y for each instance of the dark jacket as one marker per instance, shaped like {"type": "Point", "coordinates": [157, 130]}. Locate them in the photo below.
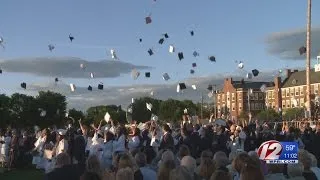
{"type": "Point", "coordinates": [167, 142]}
{"type": "Point", "coordinates": [68, 172]}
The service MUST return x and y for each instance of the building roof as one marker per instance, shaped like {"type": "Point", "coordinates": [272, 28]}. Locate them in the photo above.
{"type": "Point", "coordinates": [250, 84]}
{"type": "Point", "coordinates": [299, 78]}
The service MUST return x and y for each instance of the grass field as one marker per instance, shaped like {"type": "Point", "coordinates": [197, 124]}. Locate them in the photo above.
{"type": "Point", "coordinates": [26, 174]}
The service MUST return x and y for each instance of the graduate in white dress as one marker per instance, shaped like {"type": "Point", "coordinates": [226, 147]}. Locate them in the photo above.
{"type": "Point", "coordinates": [38, 150]}
{"type": "Point", "coordinates": [5, 141]}
{"type": "Point", "coordinates": [155, 139]}
{"type": "Point", "coordinates": [119, 144]}
{"type": "Point", "coordinates": [134, 142]}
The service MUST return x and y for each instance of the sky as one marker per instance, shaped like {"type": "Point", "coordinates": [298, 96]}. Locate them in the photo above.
{"type": "Point", "coordinates": [229, 30]}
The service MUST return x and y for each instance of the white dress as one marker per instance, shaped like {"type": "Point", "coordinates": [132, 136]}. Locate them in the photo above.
{"type": "Point", "coordinates": [4, 148]}
{"type": "Point", "coordinates": [39, 148]}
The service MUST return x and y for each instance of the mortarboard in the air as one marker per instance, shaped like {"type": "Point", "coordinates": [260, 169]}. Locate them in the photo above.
{"type": "Point", "coordinates": [23, 85]}
{"type": "Point", "coordinates": [191, 71]}
{"type": "Point", "coordinates": [149, 106]}
{"type": "Point", "coordinates": [171, 49]}
{"type": "Point", "coordinates": [255, 72]}
{"type": "Point", "coordinates": [51, 47]}
{"type": "Point", "coordinates": [302, 50]}
{"type": "Point", "coordinates": [150, 52]}
{"type": "Point", "coordinates": [151, 93]}
{"type": "Point", "coordinates": [180, 55]}
{"type": "Point", "coordinates": [249, 76]}
{"type": "Point", "coordinates": [194, 64]}
{"type": "Point", "coordinates": [71, 37]}
{"type": "Point", "coordinates": [192, 33]}
{"type": "Point", "coordinates": [56, 79]}
{"type": "Point", "coordinates": [195, 53]}
{"type": "Point", "coordinates": [166, 35]}
{"type": "Point", "coordinates": [91, 75]}
{"type": "Point", "coordinates": [148, 20]}
{"type": "Point", "coordinates": [194, 87]}
{"type": "Point", "coordinates": [210, 94]}
{"type": "Point", "coordinates": [240, 65]}
{"type": "Point", "coordinates": [147, 74]}
{"type": "Point", "coordinates": [166, 76]}
{"type": "Point", "coordinates": [135, 74]}
{"type": "Point", "coordinates": [82, 66]}
{"type": "Point", "coordinates": [140, 40]}
{"type": "Point", "coordinates": [181, 87]}
{"type": "Point", "coordinates": [89, 88]}
{"type": "Point", "coordinates": [161, 41]}
{"type": "Point", "coordinates": [113, 54]}
{"type": "Point", "coordinates": [212, 58]}
{"type": "Point", "coordinates": [263, 88]}
{"type": "Point", "coordinates": [210, 87]}
{"type": "Point", "coordinates": [0, 71]}
{"type": "Point", "coordinates": [100, 86]}
{"type": "Point", "coordinates": [72, 87]}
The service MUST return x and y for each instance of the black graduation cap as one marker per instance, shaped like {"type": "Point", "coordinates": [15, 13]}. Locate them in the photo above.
{"type": "Point", "coordinates": [191, 71]}
{"type": "Point", "coordinates": [23, 85]}
{"type": "Point", "coordinates": [147, 74]}
{"type": "Point", "coordinates": [71, 37]}
{"type": "Point", "coordinates": [212, 58]}
{"type": "Point", "coordinates": [302, 50]}
{"type": "Point", "coordinates": [180, 55]}
{"type": "Point", "coordinates": [192, 33]}
{"type": "Point", "coordinates": [210, 88]}
{"type": "Point", "coordinates": [89, 88]}
{"type": "Point", "coordinates": [140, 40]}
{"type": "Point", "coordinates": [182, 86]}
{"type": "Point", "coordinates": [166, 35]}
{"type": "Point", "coordinates": [148, 20]}
{"type": "Point", "coordinates": [194, 64]}
{"type": "Point", "coordinates": [255, 72]}
{"type": "Point", "coordinates": [100, 86]}
{"type": "Point", "coordinates": [56, 79]}
{"type": "Point", "coordinates": [161, 41]}
{"type": "Point", "coordinates": [150, 52]}
{"type": "Point", "coordinates": [0, 71]}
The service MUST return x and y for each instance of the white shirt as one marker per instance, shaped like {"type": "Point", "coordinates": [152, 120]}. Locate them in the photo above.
{"type": "Point", "coordinates": [62, 147]}
{"type": "Point", "coordinates": [134, 143]}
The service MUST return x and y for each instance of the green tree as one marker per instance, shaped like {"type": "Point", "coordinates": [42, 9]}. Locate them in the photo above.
{"type": "Point", "coordinates": [268, 115]}
{"type": "Point", "coordinates": [293, 113]}
{"type": "Point", "coordinates": [75, 115]}
{"type": "Point", "coordinates": [171, 110]}
{"type": "Point", "coordinates": [140, 113]}
{"type": "Point", "coordinates": [97, 113]}
{"type": "Point", "coordinates": [5, 113]}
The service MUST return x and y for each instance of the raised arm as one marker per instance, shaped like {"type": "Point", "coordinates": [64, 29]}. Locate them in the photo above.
{"type": "Point", "coordinates": [81, 127]}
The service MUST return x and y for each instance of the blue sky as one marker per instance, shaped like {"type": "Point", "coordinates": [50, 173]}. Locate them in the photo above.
{"type": "Point", "coordinates": [228, 29]}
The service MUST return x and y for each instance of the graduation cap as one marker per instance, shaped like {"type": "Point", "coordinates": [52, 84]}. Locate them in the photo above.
{"type": "Point", "coordinates": [72, 87]}
{"type": "Point", "coordinates": [249, 76]}
{"type": "Point", "coordinates": [135, 74]}
{"type": "Point", "coordinates": [150, 52]}
{"type": "Point", "coordinates": [240, 65]}
{"type": "Point", "coordinates": [194, 64]}
{"type": "Point", "coordinates": [147, 74]}
{"type": "Point", "coordinates": [140, 40]}
{"type": "Point", "coordinates": [148, 20]}
{"type": "Point", "coordinates": [71, 37]}
{"type": "Point", "coordinates": [166, 76]}
{"type": "Point", "coordinates": [195, 54]}
{"type": "Point", "coordinates": [181, 86]}
{"type": "Point", "coordinates": [113, 54]}
{"type": "Point", "coordinates": [210, 87]}
{"type": "Point", "coordinates": [51, 47]}
{"type": "Point", "coordinates": [149, 106]}
{"type": "Point", "coordinates": [255, 72]}
{"type": "Point", "coordinates": [82, 66]}
{"type": "Point", "coordinates": [263, 88]}
{"type": "Point", "coordinates": [192, 33]}
{"type": "Point", "coordinates": [166, 35]}
{"type": "Point", "coordinates": [56, 79]}
{"type": "Point", "coordinates": [191, 71]}
{"type": "Point", "coordinates": [180, 55]}
{"type": "Point", "coordinates": [161, 41]}
{"type": "Point", "coordinates": [171, 49]}
{"type": "Point", "coordinates": [302, 50]}
{"type": "Point", "coordinates": [91, 75]}
{"type": "Point", "coordinates": [23, 85]}
{"type": "Point", "coordinates": [100, 86]}
{"type": "Point", "coordinates": [107, 117]}
{"type": "Point", "coordinates": [1, 42]}
{"type": "Point", "coordinates": [194, 87]}
{"type": "Point", "coordinates": [0, 71]}
{"type": "Point", "coordinates": [212, 58]}
{"type": "Point", "coordinates": [89, 88]}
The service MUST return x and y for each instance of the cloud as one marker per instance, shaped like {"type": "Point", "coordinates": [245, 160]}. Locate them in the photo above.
{"type": "Point", "coordinates": [285, 44]}
{"type": "Point", "coordinates": [83, 99]}
{"type": "Point", "coordinates": [68, 67]}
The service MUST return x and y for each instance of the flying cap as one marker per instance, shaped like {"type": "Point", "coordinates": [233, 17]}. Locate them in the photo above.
{"type": "Point", "coordinates": [210, 87]}
{"type": "Point", "coordinates": [149, 106]}
{"type": "Point", "coordinates": [140, 39]}
{"type": "Point", "coordinates": [195, 53]}
{"type": "Point", "coordinates": [56, 79]}
{"type": "Point", "coordinates": [51, 47]}
{"type": "Point", "coordinates": [89, 88]}
{"type": "Point", "coordinates": [71, 37]}
{"type": "Point", "coordinates": [62, 132]}
{"type": "Point", "coordinates": [240, 65]}
{"type": "Point", "coordinates": [132, 100]}
{"type": "Point", "coordinates": [100, 86]}
{"type": "Point", "coordinates": [181, 87]}
{"type": "Point", "coordinates": [43, 113]}
{"type": "Point", "coordinates": [302, 50]}
{"type": "Point", "coordinates": [180, 55]}
{"type": "Point", "coordinates": [194, 87]}
{"type": "Point", "coordinates": [192, 33]}
{"type": "Point", "coordinates": [161, 41]}
{"type": "Point", "coordinates": [82, 66]}
{"type": "Point", "coordinates": [91, 75]}
{"type": "Point", "coordinates": [150, 52]}
{"type": "Point", "coordinates": [191, 71]}
{"type": "Point", "coordinates": [166, 76]}
{"type": "Point", "coordinates": [212, 58]}
{"type": "Point", "coordinates": [147, 74]}
{"type": "Point", "coordinates": [249, 76]}
{"type": "Point", "coordinates": [0, 71]}
{"type": "Point", "coordinates": [113, 54]}
{"type": "Point", "coordinates": [23, 85]}
{"type": "Point", "coordinates": [171, 49]}
{"type": "Point", "coordinates": [135, 74]}
{"type": "Point", "coordinates": [263, 88]}
{"type": "Point", "coordinates": [72, 87]}
{"type": "Point", "coordinates": [194, 64]}
{"type": "Point", "coordinates": [107, 117]}
{"type": "Point", "coordinates": [166, 35]}
{"type": "Point", "coordinates": [185, 111]}
{"type": "Point", "coordinates": [255, 72]}
{"type": "Point", "coordinates": [148, 20]}
{"type": "Point", "coordinates": [210, 94]}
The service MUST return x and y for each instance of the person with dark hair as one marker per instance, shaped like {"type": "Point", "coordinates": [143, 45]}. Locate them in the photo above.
{"type": "Point", "coordinates": [167, 141]}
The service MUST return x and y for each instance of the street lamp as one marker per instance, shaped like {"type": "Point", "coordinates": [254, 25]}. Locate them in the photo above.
{"type": "Point", "coordinates": [308, 54]}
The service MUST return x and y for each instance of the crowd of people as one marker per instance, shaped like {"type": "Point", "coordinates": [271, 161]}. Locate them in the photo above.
{"type": "Point", "coordinates": [149, 151]}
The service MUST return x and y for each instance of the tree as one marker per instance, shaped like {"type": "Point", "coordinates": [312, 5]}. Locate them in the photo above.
{"type": "Point", "coordinates": [75, 114]}
{"type": "Point", "coordinates": [97, 113]}
{"type": "Point", "coordinates": [140, 113]}
{"type": "Point", "coordinates": [171, 110]}
{"type": "Point", "coordinates": [5, 113]}
{"type": "Point", "coordinates": [268, 115]}
{"type": "Point", "coordinates": [293, 113]}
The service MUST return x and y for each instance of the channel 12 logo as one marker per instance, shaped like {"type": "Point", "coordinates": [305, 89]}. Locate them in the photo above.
{"type": "Point", "coordinates": [275, 152]}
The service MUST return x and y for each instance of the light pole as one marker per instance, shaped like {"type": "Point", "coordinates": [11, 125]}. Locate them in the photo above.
{"type": "Point", "coordinates": [308, 54]}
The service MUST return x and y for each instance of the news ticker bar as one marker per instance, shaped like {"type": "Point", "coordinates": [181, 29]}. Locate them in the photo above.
{"type": "Point", "coordinates": [282, 161]}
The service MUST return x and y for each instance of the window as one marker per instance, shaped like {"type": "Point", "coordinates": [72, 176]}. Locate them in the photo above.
{"type": "Point", "coordinates": [257, 106]}
{"type": "Point", "coordinates": [291, 92]}
{"type": "Point", "coordinates": [283, 104]}
{"type": "Point", "coordinates": [239, 95]}
{"type": "Point", "coordinates": [223, 98]}
{"type": "Point", "coordinates": [273, 105]}
{"type": "Point", "coordinates": [302, 102]}
{"type": "Point", "coordinates": [240, 106]}
{"type": "Point", "coordinates": [316, 89]}
{"type": "Point", "coordinates": [287, 92]}
{"type": "Point", "coordinates": [228, 96]}
{"type": "Point", "coordinates": [297, 91]}
{"type": "Point", "coordinates": [301, 91]}
{"type": "Point", "coordinates": [218, 97]}
{"type": "Point", "coordinates": [261, 96]}
{"type": "Point", "coordinates": [288, 103]}
{"type": "Point", "coordinates": [233, 97]}
{"type": "Point", "coordinates": [283, 92]}
{"type": "Point", "coordinates": [219, 109]}
{"type": "Point", "coordinates": [256, 96]}
{"type": "Point", "coordinates": [233, 106]}
{"type": "Point", "coordinates": [269, 95]}
{"type": "Point", "coordinates": [252, 106]}
{"type": "Point", "coordinates": [272, 94]}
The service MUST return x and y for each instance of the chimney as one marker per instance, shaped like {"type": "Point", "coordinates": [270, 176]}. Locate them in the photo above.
{"type": "Point", "coordinates": [288, 73]}
{"type": "Point", "coordinates": [277, 92]}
